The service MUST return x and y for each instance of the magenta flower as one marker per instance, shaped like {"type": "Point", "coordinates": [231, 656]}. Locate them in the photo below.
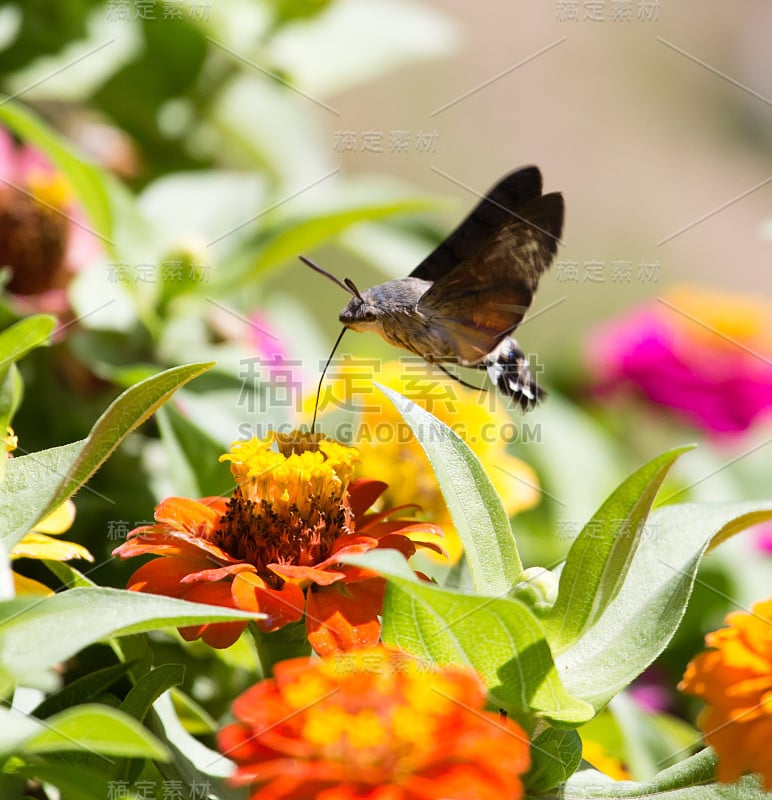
{"type": "Point", "coordinates": [763, 539]}
{"type": "Point", "coordinates": [706, 355]}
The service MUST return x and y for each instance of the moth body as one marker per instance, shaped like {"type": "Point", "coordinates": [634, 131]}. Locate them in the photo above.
{"type": "Point", "coordinates": [462, 302]}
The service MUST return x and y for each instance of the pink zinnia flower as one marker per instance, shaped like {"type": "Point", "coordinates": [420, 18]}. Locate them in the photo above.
{"type": "Point", "coordinates": [45, 238]}
{"type": "Point", "coordinates": [705, 354]}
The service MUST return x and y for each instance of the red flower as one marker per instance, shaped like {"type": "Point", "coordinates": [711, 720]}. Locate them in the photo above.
{"type": "Point", "coordinates": [373, 724]}
{"type": "Point", "coordinates": [275, 546]}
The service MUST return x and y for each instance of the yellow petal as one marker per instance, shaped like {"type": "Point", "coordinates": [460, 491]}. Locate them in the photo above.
{"type": "Point", "coordinates": [29, 586]}
{"type": "Point", "coordinates": [595, 754]}
{"type": "Point", "coordinates": [58, 521]}
{"type": "Point", "coordinates": [38, 545]}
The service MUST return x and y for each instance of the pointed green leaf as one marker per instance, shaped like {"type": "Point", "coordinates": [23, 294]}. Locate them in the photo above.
{"type": "Point", "coordinates": [92, 728]}
{"type": "Point", "coordinates": [11, 389]}
{"type": "Point", "coordinates": [555, 755]}
{"type": "Point", "coordinates": [637, 624]}
{"type": "Point", "coordinates": [15, 342]}
{"type": "Point", "coordinates": [285, 241]}
{"type": "Point", "coordinates": [447, 627]}
{"type": "Point", "coordinates": [193, 761]}
{"type": "Point", "coordinates": [25, 335]}
{"type": "Point", "coordinates": [477, 512]}
{"type": "Point", "coordinates": [38, 483]}
{"type": "Point", "coordinates": [599, 559]}
{"type": "Point", "coordinates": [647, 746]}
{"type": "Point", "coordinates": [690, 779]}
{"type": "Point", "coordinates": [75, 781]}
{"type": "Point", "coordinates": [193, 456]}
{"type": "Point", "coordinates": [38, 633]}
{"type": "Point", "coordinates": [150, 687]}
{"type": "Point", "coordinates": [86, 688]}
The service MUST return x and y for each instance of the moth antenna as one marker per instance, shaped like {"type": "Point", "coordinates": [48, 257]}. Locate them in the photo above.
{"type": "Point", "coordinates": [338, 282]}
{"type": "Point", "coordinates": [321, 378]}
{"type": "Point", "coordinates": [353, 289]}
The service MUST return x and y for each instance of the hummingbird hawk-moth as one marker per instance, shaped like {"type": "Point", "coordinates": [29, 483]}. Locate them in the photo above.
{"type": "Point", "coordinates": [462, 302]}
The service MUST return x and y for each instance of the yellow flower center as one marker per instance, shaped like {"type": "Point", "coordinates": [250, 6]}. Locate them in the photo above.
{"type": "Point", "coordinates": [35, 237]}
{"type": "Point", "coordinates": [50, 189]}
{"type": "Point", "coordinates": [291, 503]}
{"type": "Point", "coordinates": [374, 719]}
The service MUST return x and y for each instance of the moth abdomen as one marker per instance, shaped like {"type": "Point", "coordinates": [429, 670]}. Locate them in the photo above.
{"type": "Point", "coordinates": [508, 367]}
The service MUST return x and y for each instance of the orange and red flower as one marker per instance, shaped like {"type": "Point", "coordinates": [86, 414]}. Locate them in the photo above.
{"type": "Point", "coordinates": [373, 724]}
{"type": "Point", "coordinates": [275, 546]}
{"type": "Point", "coordinates": [735, 680]}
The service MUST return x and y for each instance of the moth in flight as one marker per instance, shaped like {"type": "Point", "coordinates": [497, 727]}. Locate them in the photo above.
{"type": "Point", "coordinates": [461, 304]}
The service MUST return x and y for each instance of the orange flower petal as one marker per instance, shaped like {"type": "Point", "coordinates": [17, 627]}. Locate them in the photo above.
{"type": "Point", "coordinates": [735, 680]}
{"type": "Point", "coordinates": [349, 546]}
{"type": "Point", "coordinates": [374, 724]}
{"type": "Point", "coordinates": [163, 576]}
{"type": "Point", "coordinates": [215, 634]}
{"type": "Point", "coordinates": [190, 515]}
{"type": "Point", "coordinates": [363, 493]}
{"type": "Point", "coordinates": [318, 575]}
{"type": "Point", "coordinates": [371, 520]}
{"type": "Point", "coordinates": [164, 542]}
{"type": "Point", "coordinates": [217, 574]}
{"type": "Point", "coordinates": [395, 541]}
{"type": "Point", "coordinates": [345, 616]}
{"type": "Point", "coordinates": [282, 606]}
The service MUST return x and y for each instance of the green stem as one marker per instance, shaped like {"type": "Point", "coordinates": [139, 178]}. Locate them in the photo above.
{"type": "Point", "coordinates": [288, 642]}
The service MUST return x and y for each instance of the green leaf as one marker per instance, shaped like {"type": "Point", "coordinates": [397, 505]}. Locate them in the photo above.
{"type": "Point", "coordinates": [193, 761]}
{"type": "Point", "coordinates": [75, 781]}
{"type": "Point", "coordinates": [36, 634]}
{"type": "Point", "coordinates": [195, 719]}
{"type": "Point", "coordinates": [67, 574]}
{"type": "Point", "coordinates": [15, 342]}
{"type": "Point", "coordinates": [477, 512]}
{"type": "Point", "coordinates": [447, 627]}
{"type": "Point", "coordinates": [195, 468]}
{"type": "Point", "coordinates": [647, 746]}
{"type": "Point", "coordinates": [25, 335]}
{"type": "Point", "coordinates": [301, 236]}
{"type": "Point", "coordinates": [688, 780]}
{"type": "Point", "coordinates": [11, 390]}
{"type": "Point", "coordinates": [602, 553]}
{"type": "Point", "coordinates": [88, 182]}
{"type": "Point", "coordinates": [637, 624]}
{"type": "Point", "coordinates": [86, 688]}
{"type": "Point", "coordinates": [38, 483]}
{"type": "Point", "coordinates": [555, 755]}
{"type": "Point", "coordinates": [150, 687]}
{"type": "Point", "coordinates": [92, 728]}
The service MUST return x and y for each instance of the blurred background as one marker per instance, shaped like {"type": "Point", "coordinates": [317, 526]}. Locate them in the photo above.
{"type": "Point", "coordinates": [162, 164]}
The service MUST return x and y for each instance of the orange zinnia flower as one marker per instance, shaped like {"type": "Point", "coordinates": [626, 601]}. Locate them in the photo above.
{"type": "Point", "coordinates": [293, 515]}
{"type": "Point", "coordinates": [373, 724]}
{"type": "Point", "coordinates": [735, 680]}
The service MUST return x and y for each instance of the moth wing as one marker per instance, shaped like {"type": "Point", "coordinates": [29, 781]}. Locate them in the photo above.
{"type": "Point", "coordinates": [489, 215]}
{"type": "Point", "coordinates": [486, 296]}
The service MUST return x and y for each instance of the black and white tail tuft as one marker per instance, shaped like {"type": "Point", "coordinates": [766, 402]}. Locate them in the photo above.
{"type": "Point", "coordinates": [508, 368]}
